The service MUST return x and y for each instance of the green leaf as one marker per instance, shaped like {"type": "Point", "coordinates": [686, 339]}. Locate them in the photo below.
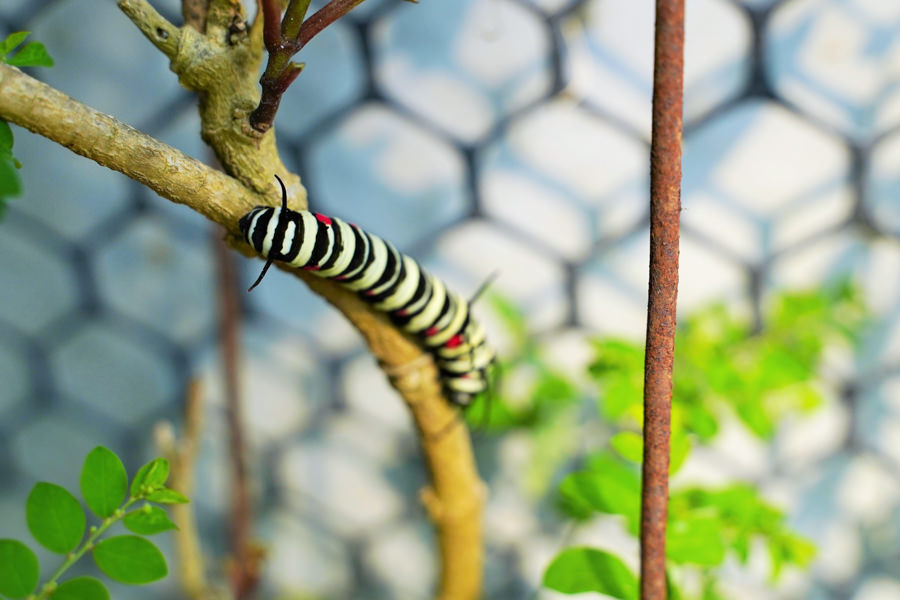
{"type": "Point", "coordinates": [577, 570]}
{"type": "Point", "coordinates": [152, 475]}
{"type": "Point", "coordinates": [32, 55]}
{"type": "Point", "coordinates": [54, 517]}
{"type": "Point", "coordinates": [10, 183]}
{"type": "Point", "coordinates": [130, 559]}
{"type": "Point", "coordinates": [629, 445]}
{"type": "Point", "coordinates": [6, 139]}
{"type": "Point", "coordinates": [166, 496]}
{"type": "Point", "coordinates": [104, 481]}
{"type": "Point", "coordinates": [148, 520]}
{"type": "Point", "coordinates": [81, 588]}
{"type": "Point", "coordinates": [695, 540]}
{"type": "Point", "coordinates": [12, 41]}
{"type": "Point", "coordinates": [608, 487]}
{"type": "Point", "coordinates": [18, 569]}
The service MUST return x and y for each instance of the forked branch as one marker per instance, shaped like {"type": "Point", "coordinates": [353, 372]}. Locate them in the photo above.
{"type": "Point", "coordinates": [283, 39]}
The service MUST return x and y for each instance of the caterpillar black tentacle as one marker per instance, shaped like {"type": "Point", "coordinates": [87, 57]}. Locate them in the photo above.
{"type": "Point", "coordinates": [413, 299]}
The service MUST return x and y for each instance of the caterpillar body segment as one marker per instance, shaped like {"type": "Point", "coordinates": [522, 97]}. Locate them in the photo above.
{"type": "Point", "coordinates": [392, 282]}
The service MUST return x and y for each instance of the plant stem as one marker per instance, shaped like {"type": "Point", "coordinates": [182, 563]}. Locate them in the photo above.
{"type": "Point", "coordinates": [73, 557]}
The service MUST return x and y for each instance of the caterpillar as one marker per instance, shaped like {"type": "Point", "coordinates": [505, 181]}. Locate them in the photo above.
{"type": "Point", "coordinates": [393, 283]}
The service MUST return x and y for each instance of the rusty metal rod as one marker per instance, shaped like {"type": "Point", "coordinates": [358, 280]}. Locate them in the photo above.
{"type": "Point", "coordinates": [665, 210]}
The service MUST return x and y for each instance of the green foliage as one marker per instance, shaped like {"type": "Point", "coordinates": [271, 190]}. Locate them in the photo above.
{"type": "Point", "coordinates": [577, 570]}
{"type": "Point", "coordinates": [103, 481]}
{"type": "Point", "coordinates": [720, 362]}
{"type": "Point", "coordinates": [57, 522]}
{"type": "Point", "coordinates": [18, 569]}
{"type": "Point", "coordinates": [81, 588]}
{"type": "Point", "coordinates": [723, 365]}
{"type": "Point", "coordinates": [32, 54]}
{"type": "Point", "coordinates": [55, 518]}
{"type": "Point", "coordinates": [130, 559]}
{"type": "Point", "coordinates": [148, 520]}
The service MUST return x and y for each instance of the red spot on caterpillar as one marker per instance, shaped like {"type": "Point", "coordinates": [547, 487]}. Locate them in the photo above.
{"type": "Point", "coordinates": [455, 341]}
{"type": "Point", "coordinates": [311, 268]}
{"type": "Point", "coordinates": [402, 312]}
{"type": "Point", "coordinates": [369, 292]}
{"type": "Point", "coordinates": [431, 331]}
{"type": "Point", "coordinates": [323, 219]}
{"type": "Point", "coordinates": [339, 277]}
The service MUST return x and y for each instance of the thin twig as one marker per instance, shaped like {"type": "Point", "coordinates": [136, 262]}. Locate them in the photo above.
{"type": "Point", "coordinates": [182, 453]}
{"type": "Point", "coordinates": [244, 568]}
{"type": "Point", "coordinates": [665, 210]}
{"type": "Point", "coordinates": [324, 17]}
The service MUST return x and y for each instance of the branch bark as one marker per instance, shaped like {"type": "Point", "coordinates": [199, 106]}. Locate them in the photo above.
{"type": "Point", "coordinates": [665, 211]}
{"type": "Point", "coordinates": [456, 495]}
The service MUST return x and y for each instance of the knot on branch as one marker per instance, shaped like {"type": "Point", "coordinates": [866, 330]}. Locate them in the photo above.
{"type": "Point", "coordinates": [448, 514]}
{"type": "Point", "coordinates": [415, 380]}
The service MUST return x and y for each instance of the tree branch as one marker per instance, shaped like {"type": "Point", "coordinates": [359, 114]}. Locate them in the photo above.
{"type": "Point", "coordinates": [457, 494]}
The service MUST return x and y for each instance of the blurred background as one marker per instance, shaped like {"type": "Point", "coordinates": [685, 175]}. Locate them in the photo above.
{"type": "Point", "coordinates": [482, 136]}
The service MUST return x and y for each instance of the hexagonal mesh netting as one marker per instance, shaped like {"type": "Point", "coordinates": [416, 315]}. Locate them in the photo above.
{"type": "Point", "coordinates": [477, 135]}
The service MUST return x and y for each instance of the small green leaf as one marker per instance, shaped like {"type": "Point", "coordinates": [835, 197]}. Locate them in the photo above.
{"type": "Point", "coordinates": [6, 139]}
{"type": "Point", "coordinates": [152, 475]}
{"type": "Point", "coordinates": [18, 569]}
{"type": "Point", "coordinates": [629, 445]}
{"type": "Point", "coordinates": [32, 55]}
{"type": "Point", "coordinates": [130, 559]}
{"type": "Point", "coordinates": [148, 520]}
{"type": "Point", "coordinates": [12, 41]}
{"type": "Point", "coordinates": [81, 588]}
{"type": "Point", "coordinates": [10, 183]}
{"type": "Point", "coordinates": [695, 540]}
{"type": "Point", "coordinates": [577, 570]}
{"type": "Point", "coordinates": [166, 496]}
{"type": "Point", "coordinates": [103, 481]}
{"type": "Point", "coordinates": [608, 486]}
{"type": "Point", "coordinates": [54, 517]}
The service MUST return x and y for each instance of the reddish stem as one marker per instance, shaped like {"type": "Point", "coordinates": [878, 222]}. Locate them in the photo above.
{"type": "Point", "coordinates": [324, 17]}
{"type": "Point", "coordinates": [280, 71]}
{"type": "Point", "coordinates": [665, 210]}
{"type": "Point", "coordinates": [271, 24]}
{"type": "Point", "coordinates": [244, 568]}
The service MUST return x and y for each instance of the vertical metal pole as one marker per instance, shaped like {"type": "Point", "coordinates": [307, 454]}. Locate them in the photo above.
{"type": "Point", "coordinates": [665, 210]}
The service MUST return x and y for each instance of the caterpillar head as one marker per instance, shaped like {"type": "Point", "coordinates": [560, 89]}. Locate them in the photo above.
{"type": "Point", "coordinates": [255, 226]}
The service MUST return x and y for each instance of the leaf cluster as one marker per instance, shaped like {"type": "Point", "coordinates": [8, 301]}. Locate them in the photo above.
{"type": "Point", "coordinates": [722, 365]}
{"type": "Point", "coordinates": [32, 54]}
{"type": "Point", "coordinates": [57, 522]}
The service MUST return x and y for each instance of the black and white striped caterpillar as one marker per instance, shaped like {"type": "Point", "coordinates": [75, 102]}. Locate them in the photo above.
{"type": "Point", "coordinates": [393, 283]}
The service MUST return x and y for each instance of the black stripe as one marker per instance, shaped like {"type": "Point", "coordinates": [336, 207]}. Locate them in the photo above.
{"type": "Point", "coordinates": [370, 256]}
{"type": "Point", "coordinates": [390, 267]}
{"type": "Point", "coordinates": [359, 249]}
{"type": "Point", "coordinates": [261, 229]}
{"type": "Point", "coordinates": [321, 247]}
{"type": "Point", "coordinates": [278, 237]}
{"type": "Point", "coordinates": [421, 288]}
{"type": "Point", "coordinates": [444, 310]}
{"type": "Point", "coordinates": [299, 236]}
{"type": "Point", "coordinates": [337, 246]}
{"type": "Point", "coordinates": [391, 289]}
